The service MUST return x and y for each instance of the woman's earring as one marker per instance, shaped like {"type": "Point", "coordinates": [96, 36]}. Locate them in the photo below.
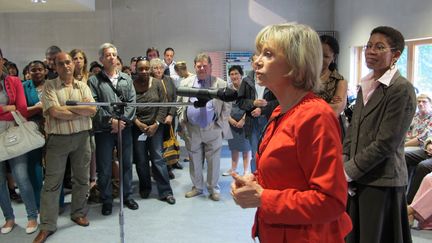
{"type": "Point", "coordinates": [393, 65]}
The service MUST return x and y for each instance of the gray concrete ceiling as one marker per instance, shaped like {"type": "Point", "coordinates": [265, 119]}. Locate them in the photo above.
{"type": "Point", "coordinates": [25, 6]}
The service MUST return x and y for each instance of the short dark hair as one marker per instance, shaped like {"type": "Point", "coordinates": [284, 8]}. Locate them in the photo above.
{"type": "Point", "coordinates": [12, 65]}
{"type": "Point", "coordinates": [133, 59]}
{"type": "Point", "coordinates": [236, 67]}
{"type": "Point", "coordinates": [334, 46]}
{"type": "Point", "coordinates": [95, 64]}
{"type": "Point", "coordinates": [152, 49]}
{"type": "Point", "coordinates": [36, 62]}
{"type": "Point", "coordinates": [395, 38]}
{"type": "Point", "coordinates": [52, 50]}
{"type": "Point", "coordinates": [169, 49]}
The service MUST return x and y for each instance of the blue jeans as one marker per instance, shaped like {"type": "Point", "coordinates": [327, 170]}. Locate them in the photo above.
{"type": "Point", "coordinates": [258, 125]}
{"type": "Point", "coordinates": [35, 172]}
{"type": "Point", "coordinates": [151, 150]}
{"type": "Point", "coordinates": [105, 142]}
{"type": "Point", "coordinates": [18, 167]}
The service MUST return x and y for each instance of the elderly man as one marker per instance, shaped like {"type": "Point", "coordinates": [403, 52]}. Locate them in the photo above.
{"type": "Point", "coordinates": [111, 85]}
{"type": "Point", "coordinates": [68, 136]}
{"type": "Point", "coordinates": [206, 127]}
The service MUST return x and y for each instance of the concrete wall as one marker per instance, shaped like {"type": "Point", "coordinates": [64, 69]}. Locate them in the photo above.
{"type": "Point", "coordinates": [355, 19]}
{"type": "Point", "coordinates": [189, 26]}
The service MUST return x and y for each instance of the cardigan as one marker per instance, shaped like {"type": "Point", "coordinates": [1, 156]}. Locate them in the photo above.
{"type": "Point", "coordinates": [15, 93]}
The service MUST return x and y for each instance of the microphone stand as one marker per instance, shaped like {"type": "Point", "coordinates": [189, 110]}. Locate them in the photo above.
{"type": "Point", "coordinates": [120, 108]}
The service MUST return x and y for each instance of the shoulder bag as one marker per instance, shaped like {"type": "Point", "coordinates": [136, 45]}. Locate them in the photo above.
{"type": "Point", "coordinates": [20, 139]}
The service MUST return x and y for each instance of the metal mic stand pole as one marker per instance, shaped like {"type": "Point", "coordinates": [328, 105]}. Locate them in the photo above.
{"type": "Point", "coordinates": [120, 109]}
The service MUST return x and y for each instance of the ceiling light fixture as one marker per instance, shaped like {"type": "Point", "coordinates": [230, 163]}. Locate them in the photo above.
{"type": "Point", "coordinates": [38, 1]}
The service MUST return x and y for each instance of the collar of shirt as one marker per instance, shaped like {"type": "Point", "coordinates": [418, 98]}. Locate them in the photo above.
{"type": "Point", "coordinates": [60, 83]}
{"type": "Point", "coordinates": [205, 85]}
{"type": "Point", "coordinates": [170, 65]}
{"type": "Point", "coordinates": [384, 79]}
{"type": "Point", "coordinates": [114, 77]}
{"type": "Point", "coordinates": [369, 85]}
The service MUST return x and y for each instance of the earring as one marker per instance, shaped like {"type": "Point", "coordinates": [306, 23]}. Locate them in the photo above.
{"type": "Point", "coordinates": [393, 66]}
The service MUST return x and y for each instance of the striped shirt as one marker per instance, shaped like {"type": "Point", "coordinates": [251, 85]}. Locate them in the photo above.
{"type": "Point", "coordinates": [55, 93]}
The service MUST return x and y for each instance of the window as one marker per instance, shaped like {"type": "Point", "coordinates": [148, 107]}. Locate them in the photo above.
{"type": "Point", "coordinates": [415, 64]}
{"type": "Point", "coordinates": [422, 74]}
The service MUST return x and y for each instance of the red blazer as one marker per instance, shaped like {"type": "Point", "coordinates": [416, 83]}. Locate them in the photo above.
{"type": "Point", "coordinates": [299, 165]}
{"type": "Point", "coordinates": [15, 92]}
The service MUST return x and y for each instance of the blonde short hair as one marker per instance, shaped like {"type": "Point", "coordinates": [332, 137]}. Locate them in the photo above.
{"type": "Point", "coordinates": [180, 65]}
{"type": "Point", "coordinates": [424, 96]}
{"type": "Point", "coordinates": [156, 62]}
{"type": "Point", "coordinates": [302, 48]}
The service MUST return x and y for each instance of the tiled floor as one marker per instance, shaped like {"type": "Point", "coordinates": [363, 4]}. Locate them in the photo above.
{"type": "Point", "coordinates": [194, 220]}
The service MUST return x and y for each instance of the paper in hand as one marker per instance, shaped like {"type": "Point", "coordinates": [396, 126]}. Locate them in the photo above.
{"type": "Point", "coordinates": [142, 137]}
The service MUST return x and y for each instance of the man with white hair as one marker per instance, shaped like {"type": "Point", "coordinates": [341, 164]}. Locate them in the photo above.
{"type": "Point", "coordinates": [111, 85]}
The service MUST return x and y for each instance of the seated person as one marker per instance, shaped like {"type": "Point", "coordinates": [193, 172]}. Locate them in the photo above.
{"type": "Point", "coordinates": [421, 126]}
{"type": "Point", "coordinates": [421, 207]}
{"type": "Point", "coordinates": [419, 164]}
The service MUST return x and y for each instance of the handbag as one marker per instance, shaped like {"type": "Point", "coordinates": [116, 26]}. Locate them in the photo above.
{"type": "Point", "coordinates": [20, 139]}
{"type": "Point", "coordinates": [171, 149]}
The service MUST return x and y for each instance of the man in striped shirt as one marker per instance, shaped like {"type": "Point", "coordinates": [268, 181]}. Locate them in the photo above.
{"type": "Point", "coordinates": [68, 136]}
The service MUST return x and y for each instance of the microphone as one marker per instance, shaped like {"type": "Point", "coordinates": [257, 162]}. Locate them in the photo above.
{"type": "Point", "coordinates": [225, 94]}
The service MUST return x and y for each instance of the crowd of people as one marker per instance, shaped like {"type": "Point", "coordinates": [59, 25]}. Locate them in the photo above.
{"type": "Point", "coordinates": [311, 177]}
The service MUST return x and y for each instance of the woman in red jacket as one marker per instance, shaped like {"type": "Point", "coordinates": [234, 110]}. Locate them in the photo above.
{"type": "Point", "coordinates": [299, 186]}
{"type": "Point", "coordinates": [12, 98]}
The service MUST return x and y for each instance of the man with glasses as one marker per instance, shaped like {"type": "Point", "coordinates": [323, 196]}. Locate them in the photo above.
{"type": "Point", "coordinates": [419, 152]}
{"type": "Point", "coordinates": [206, 126]}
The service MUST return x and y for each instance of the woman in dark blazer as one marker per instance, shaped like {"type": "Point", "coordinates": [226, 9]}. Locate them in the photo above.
{"type": "Point", "coordinates": [374, 144]}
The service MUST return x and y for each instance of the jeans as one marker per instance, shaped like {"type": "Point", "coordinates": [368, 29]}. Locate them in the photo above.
{"type": "Point", "coordinates": [18, 167]}
{"type": "Point", "coordinates": [151, 150]}
{"type": "Point", "coordinates": [258, 125]}
{"type": "Point", "coordinates": [105, 142]}
{"type": "Point", "coordinates": [35, 172]}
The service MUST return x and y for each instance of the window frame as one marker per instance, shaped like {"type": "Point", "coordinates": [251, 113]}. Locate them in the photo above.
{"type": "Point", "coordinates": [410, 46]}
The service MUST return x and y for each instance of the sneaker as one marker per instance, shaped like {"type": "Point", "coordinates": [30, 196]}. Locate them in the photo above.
{"type": "Point", "coordinates": [228, 172]}
{"type": "Point", "coordinates": [193, 193]}
{"type": "Point", "coordinates": [214, 196]}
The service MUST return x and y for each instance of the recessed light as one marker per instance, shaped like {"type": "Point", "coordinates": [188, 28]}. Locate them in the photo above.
{"type": "Point", "coordinates": [39, 1]}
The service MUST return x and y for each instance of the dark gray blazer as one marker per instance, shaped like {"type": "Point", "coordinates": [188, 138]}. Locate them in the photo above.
{"type": "Point", "coordinates": [374, 144]}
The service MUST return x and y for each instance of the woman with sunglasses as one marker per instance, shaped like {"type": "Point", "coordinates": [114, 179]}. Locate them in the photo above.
{"type": "Point", "coordinates": [299, 186]}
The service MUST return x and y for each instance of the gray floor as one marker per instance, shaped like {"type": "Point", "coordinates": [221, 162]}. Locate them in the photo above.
{"type": "Point", "coordinates": [193, 220]}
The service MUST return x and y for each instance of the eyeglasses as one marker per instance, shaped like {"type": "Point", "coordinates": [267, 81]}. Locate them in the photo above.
{"type": "Point", "coordinates": [422, 101]}
{"type": "Point", "coordinates": [378, 48]}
